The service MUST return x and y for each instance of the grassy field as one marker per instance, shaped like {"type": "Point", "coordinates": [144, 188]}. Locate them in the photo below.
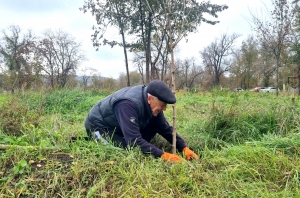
{"type": "Point", "coordinates": [249, 145]}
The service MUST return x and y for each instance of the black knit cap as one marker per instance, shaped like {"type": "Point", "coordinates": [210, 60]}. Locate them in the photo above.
{"type": "Point", "coordinates": [161, 90]}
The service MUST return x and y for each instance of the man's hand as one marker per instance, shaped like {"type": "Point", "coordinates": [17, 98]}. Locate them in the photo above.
{"type": "Point", "coordinates": [171, 157]}
{"type": "Point", "coordinates": [189, 154]}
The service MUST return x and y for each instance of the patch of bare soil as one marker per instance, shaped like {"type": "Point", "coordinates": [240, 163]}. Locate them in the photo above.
{"type": "Point", "coordinates": [40, 175]}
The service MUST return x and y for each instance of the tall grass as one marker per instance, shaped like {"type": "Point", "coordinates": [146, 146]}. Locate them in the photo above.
{"type": "Point", "coordinates": [248, 143]}
{"type": "Point", "coordinates": [239, 117]}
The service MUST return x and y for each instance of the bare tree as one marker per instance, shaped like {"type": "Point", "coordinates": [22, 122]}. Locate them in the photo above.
{"type": "Point", "coordinates": [15, 51]}
{"type": "Point", "coordinates": [186, 73]}
{"type": "Point", "coordinates": [138, 62]}
{"type": "Point", "coordinates": [273, 32]}
{"type": "Point", "coordinates": [60, 55]}
{"type": "Point", "coordinates": [217, 57]}
{"type": "Point", "coordinates": [250, 54]}
{"type": "Point", "coordinates": [294, 51]}
{"type": "Point", "coordinates": [237, 71]}
{"type": "Point", "coordinates": [267, 66]}
{"type": "Point", "coordinates": [87, 74]}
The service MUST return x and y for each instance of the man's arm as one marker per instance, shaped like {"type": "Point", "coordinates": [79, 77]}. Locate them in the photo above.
{"type": "Point", "coordinates": [165, 130]}
{"type": "Point", "coordinates": [127, 115]}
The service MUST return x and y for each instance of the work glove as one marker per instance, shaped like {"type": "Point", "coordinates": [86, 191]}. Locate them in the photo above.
{"type": "Point", "coordinates": [189, 154]}
{"type": "Point", "coordinates": [171, 157]}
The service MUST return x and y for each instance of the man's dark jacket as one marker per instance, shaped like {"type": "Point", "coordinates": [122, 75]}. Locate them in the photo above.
{"type": "Point", "coordinates": [104, 115]}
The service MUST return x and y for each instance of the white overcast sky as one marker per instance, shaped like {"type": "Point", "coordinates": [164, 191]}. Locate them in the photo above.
{"type": "Point", "coordinates": [39, 15]}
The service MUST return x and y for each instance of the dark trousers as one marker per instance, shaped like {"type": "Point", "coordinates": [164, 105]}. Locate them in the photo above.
{"type": "Point", "coordinates": [116, 136]}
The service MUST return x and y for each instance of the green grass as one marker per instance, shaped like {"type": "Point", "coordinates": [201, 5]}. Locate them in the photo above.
{"type": "Point", "coordinates": [248, 142]}
{"type": "Point", "coordinates": [4, 98]}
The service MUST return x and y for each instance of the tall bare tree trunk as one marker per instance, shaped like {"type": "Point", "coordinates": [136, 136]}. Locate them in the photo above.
{"type": "Point", "coordinates": [126, 59]}
{"type": "Point", "coordinates": [124, 44]}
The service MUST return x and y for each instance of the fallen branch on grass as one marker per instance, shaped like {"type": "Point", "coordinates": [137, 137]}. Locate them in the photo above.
{"type": "Point", "coordinates": [6, 147]}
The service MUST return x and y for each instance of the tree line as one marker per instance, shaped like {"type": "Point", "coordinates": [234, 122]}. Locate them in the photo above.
{"type": "Point", "coordinates": [151, 30]}
{"type": "Point", "coordinates": [33, 62]}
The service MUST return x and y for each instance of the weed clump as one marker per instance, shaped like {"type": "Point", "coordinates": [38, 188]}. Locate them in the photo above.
{"type": "Point", "coordinates": [14, 116]}
{"type": "Point", "coordinates": [233, 124]}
